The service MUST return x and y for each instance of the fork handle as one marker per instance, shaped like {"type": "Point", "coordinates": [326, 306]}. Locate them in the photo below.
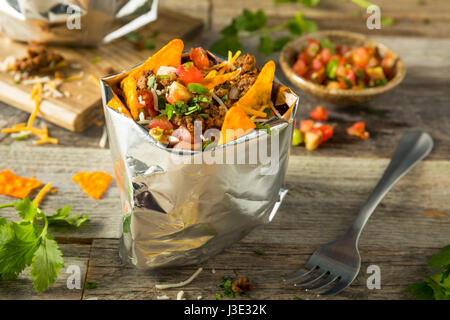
{"type": "Point", "coordinates": [413, 147]}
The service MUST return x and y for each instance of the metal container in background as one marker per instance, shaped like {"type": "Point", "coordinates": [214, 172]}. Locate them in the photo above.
{"type": "Point", "coordinates": [74, 22]}
{"type": "Point", "coordinates": [177, 214]}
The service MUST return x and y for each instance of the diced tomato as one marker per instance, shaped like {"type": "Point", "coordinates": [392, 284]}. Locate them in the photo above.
{"type": "Point", "coordinates": [342, 61]}
{"type": "Point", "coordinates": [318, 76]}
{"type": "Point", "coordinates": [316, 64]}
{"type": "Point", "coordinates": [325, 55]}
{"type": "Point", "coordinates": [200, 58]}
{"type": "Point", "coordinates": [313, 139]}
{"type": "Point", "coordinates": [177, 92]}
{"type": "Point", "coordinates": [161, 123]}
{"type": "Point", "coordinates": [327, 132]}
{"type": "Point", "coordinates": [388, 64]}
{"type": "Point", "coordinates": [319, 114]}
{"type": "Point", "coordinates": [360, 57]}
{"type": "Point", "coordinates": [306, 125]}
{"type": "Point", "coordinates": [148, 104]}
{"type": "Point", "coordinates": [312, 48]}
{"type": "Point", "coordinates": [302, 56]}
{"type": "Point", "coordinates": [358, 129]}
{"type": "Point", "coordinates": [188, 73]}
{"type": "Point", "coordinates": [350, 76]}
{"type": "Point", "coordinates": [299, 67]}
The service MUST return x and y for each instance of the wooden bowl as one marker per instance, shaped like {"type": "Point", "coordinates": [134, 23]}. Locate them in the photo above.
{"type": "Point", "coordinates": [348, 97]}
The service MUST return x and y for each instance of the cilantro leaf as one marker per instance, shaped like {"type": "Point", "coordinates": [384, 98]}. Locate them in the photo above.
{"type": "Point", "coordinates": [260, 252]}
{"type": "Point", "coordinates": [62, 217]}
{"type": "Point", "coordinates": [421, 291]}
{"type": "Point", "coordinates": [222, 46]}
{"type": "Point", "coordinates": [17, 252]}
{"type": "Point", "coordinates": [250, 21]}
{"type": "Point", "coordinates": [46, 263]}
{"type": "Point", "coordinates": [91, 285]}
{"type": "Point", "coordinates": [266, 45]}
{"type": "Point", "coordinates": [440, 259]}
{"type": "Point", "coordinates": [26, 209]}
{"type": "Point", "coordinates": [226, 285]}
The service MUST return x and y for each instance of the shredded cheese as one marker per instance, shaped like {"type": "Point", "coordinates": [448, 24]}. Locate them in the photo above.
{"type": "Point", "coordinates": [42, 194]}
{"type": "Point", "coordinates": [94, 79]}
{"type": "Point", "coordinates": [74, 78]}
{"type": "Point", "coordinates": [180, 295]}
{"type": "Point", "coordinates": [180, 284]}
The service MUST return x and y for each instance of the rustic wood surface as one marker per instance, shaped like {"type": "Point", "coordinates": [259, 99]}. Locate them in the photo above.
{"type": "Point", "coordinates": [327, 186]}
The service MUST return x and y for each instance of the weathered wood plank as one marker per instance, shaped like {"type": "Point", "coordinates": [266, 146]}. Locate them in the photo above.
{"type": "Point", "coordinates": [22, 287]}
{"type": "Point", "coordinates": [324, 193]}
{"type": "Point", "coordinates": [399, 266]}
{"type": "Point", "coordinates": [410, 18]}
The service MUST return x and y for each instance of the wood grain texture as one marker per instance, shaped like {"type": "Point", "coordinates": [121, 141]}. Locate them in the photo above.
{"type": "Point", "coordinates": [410, 18]}
{"type": "Point", "coordinates": [82, 108]}
{"type": "Point", "coordinates": [324, 193]}
{"type": "Point", "coordinates": [399, 266]}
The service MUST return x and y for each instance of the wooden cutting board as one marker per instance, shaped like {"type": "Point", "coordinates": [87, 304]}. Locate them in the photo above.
{"type": "Point", "coordinates": [82, 108]}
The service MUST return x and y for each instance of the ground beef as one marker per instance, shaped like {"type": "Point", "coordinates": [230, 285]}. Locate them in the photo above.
{"type": "Point", "coordinates": [247, 64]}
{"type": "Point", "coordinates": [37, 58]}
{"type": "Point", "coordinates": [141, 83]}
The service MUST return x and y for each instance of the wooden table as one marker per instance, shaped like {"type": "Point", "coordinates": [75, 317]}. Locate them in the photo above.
{"type": "Point", "coordinates": [327, 186]}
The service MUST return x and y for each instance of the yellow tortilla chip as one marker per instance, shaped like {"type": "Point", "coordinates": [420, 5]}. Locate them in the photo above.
{"type": "Point", "coordinates": [117, 105]}
{"type": "Point", "coordinates": [235, 125]}
{"type": "Point", "coordinates": [259, 95]}
{"type": "Point", "coordinates": [169, 55]}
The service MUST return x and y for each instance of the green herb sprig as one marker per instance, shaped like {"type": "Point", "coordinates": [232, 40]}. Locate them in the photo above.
{"type": "Point", "coordinates": [435, 287]}
{"type": "Point", "coordinates": [27, 243]}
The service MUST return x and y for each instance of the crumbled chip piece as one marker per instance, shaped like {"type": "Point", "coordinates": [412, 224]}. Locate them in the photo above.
{"type": "Point", "coordinates": [16, 186]}
{"type": "Point", "coordinates": [93, 183]}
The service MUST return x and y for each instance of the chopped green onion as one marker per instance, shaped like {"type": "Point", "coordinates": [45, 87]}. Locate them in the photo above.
{"type": "Point", "coordinates": [204, 115]}
{"type": "Point", "coordinates": [163, 76]}
{"type": "Point", "coordinates": [197, 88]}
{"type": "Point", "coordinates": [95, 60]}
{"type": "Point", "coordinates": [169, 111]}
{"type": "Point", "coordinates": [151, 82]}
{"type": "Point", "coordinates": [263, 127]}
{"type": "Point", "coordinates": [331, 68]}
{"type": "Point", "coordinates": [225, 97]}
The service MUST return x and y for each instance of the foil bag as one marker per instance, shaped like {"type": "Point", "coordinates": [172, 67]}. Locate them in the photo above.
{"type": "Point", "coordinates": [178, 209]}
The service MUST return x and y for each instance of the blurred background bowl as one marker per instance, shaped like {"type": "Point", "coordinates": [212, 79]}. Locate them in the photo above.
{"type": "Point", "coordinates": [347, 97]}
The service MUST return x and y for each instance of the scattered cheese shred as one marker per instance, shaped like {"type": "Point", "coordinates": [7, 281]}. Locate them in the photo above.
{"type": "Point", "coordinates": [74, 78]}
{"type": "Point", "coordinates": [93, 183]}
{"type": "Point", "coordinates": [42, 193]}
{"type": "Point", "coordinates": [16, 186]}
{"type": "Point", "coordinates": [180, 284]}
{"type": "Point", "coordinates": [94, 80]}
{"type": "Point", "coordinates": [36, 94]}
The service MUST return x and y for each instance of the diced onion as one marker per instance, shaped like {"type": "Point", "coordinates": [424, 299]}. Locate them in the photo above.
{"type": "Point", "coordinates": [155, 100]}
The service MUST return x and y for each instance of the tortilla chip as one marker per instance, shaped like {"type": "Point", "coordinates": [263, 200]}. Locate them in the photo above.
{"type": "Point", "coordinates": [93, 183]}
{"type": "Point", "coordinates": [259, 95]}
{"type": "Point", "coordinates": [235, 125]}
{"type": "Point", "coordinates": [212, 81]}
{"type": "Point", "coordinates": [117, 105]}
{"type": "Point", "coordinates": [16, 186]}
{"type": "Point", "coordinates": [169, 55]}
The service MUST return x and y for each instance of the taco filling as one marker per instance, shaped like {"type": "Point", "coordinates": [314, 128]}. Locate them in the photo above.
{"type": "Point", "coordinates": [171, 94]}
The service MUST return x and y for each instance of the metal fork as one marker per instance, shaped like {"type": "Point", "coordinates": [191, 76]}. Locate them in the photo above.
{"type": "Point", "coordinates": [339, 261]}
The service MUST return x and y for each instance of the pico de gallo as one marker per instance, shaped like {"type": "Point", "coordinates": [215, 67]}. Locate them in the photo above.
{"type": "Point", "coordinates": [341, 67]}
